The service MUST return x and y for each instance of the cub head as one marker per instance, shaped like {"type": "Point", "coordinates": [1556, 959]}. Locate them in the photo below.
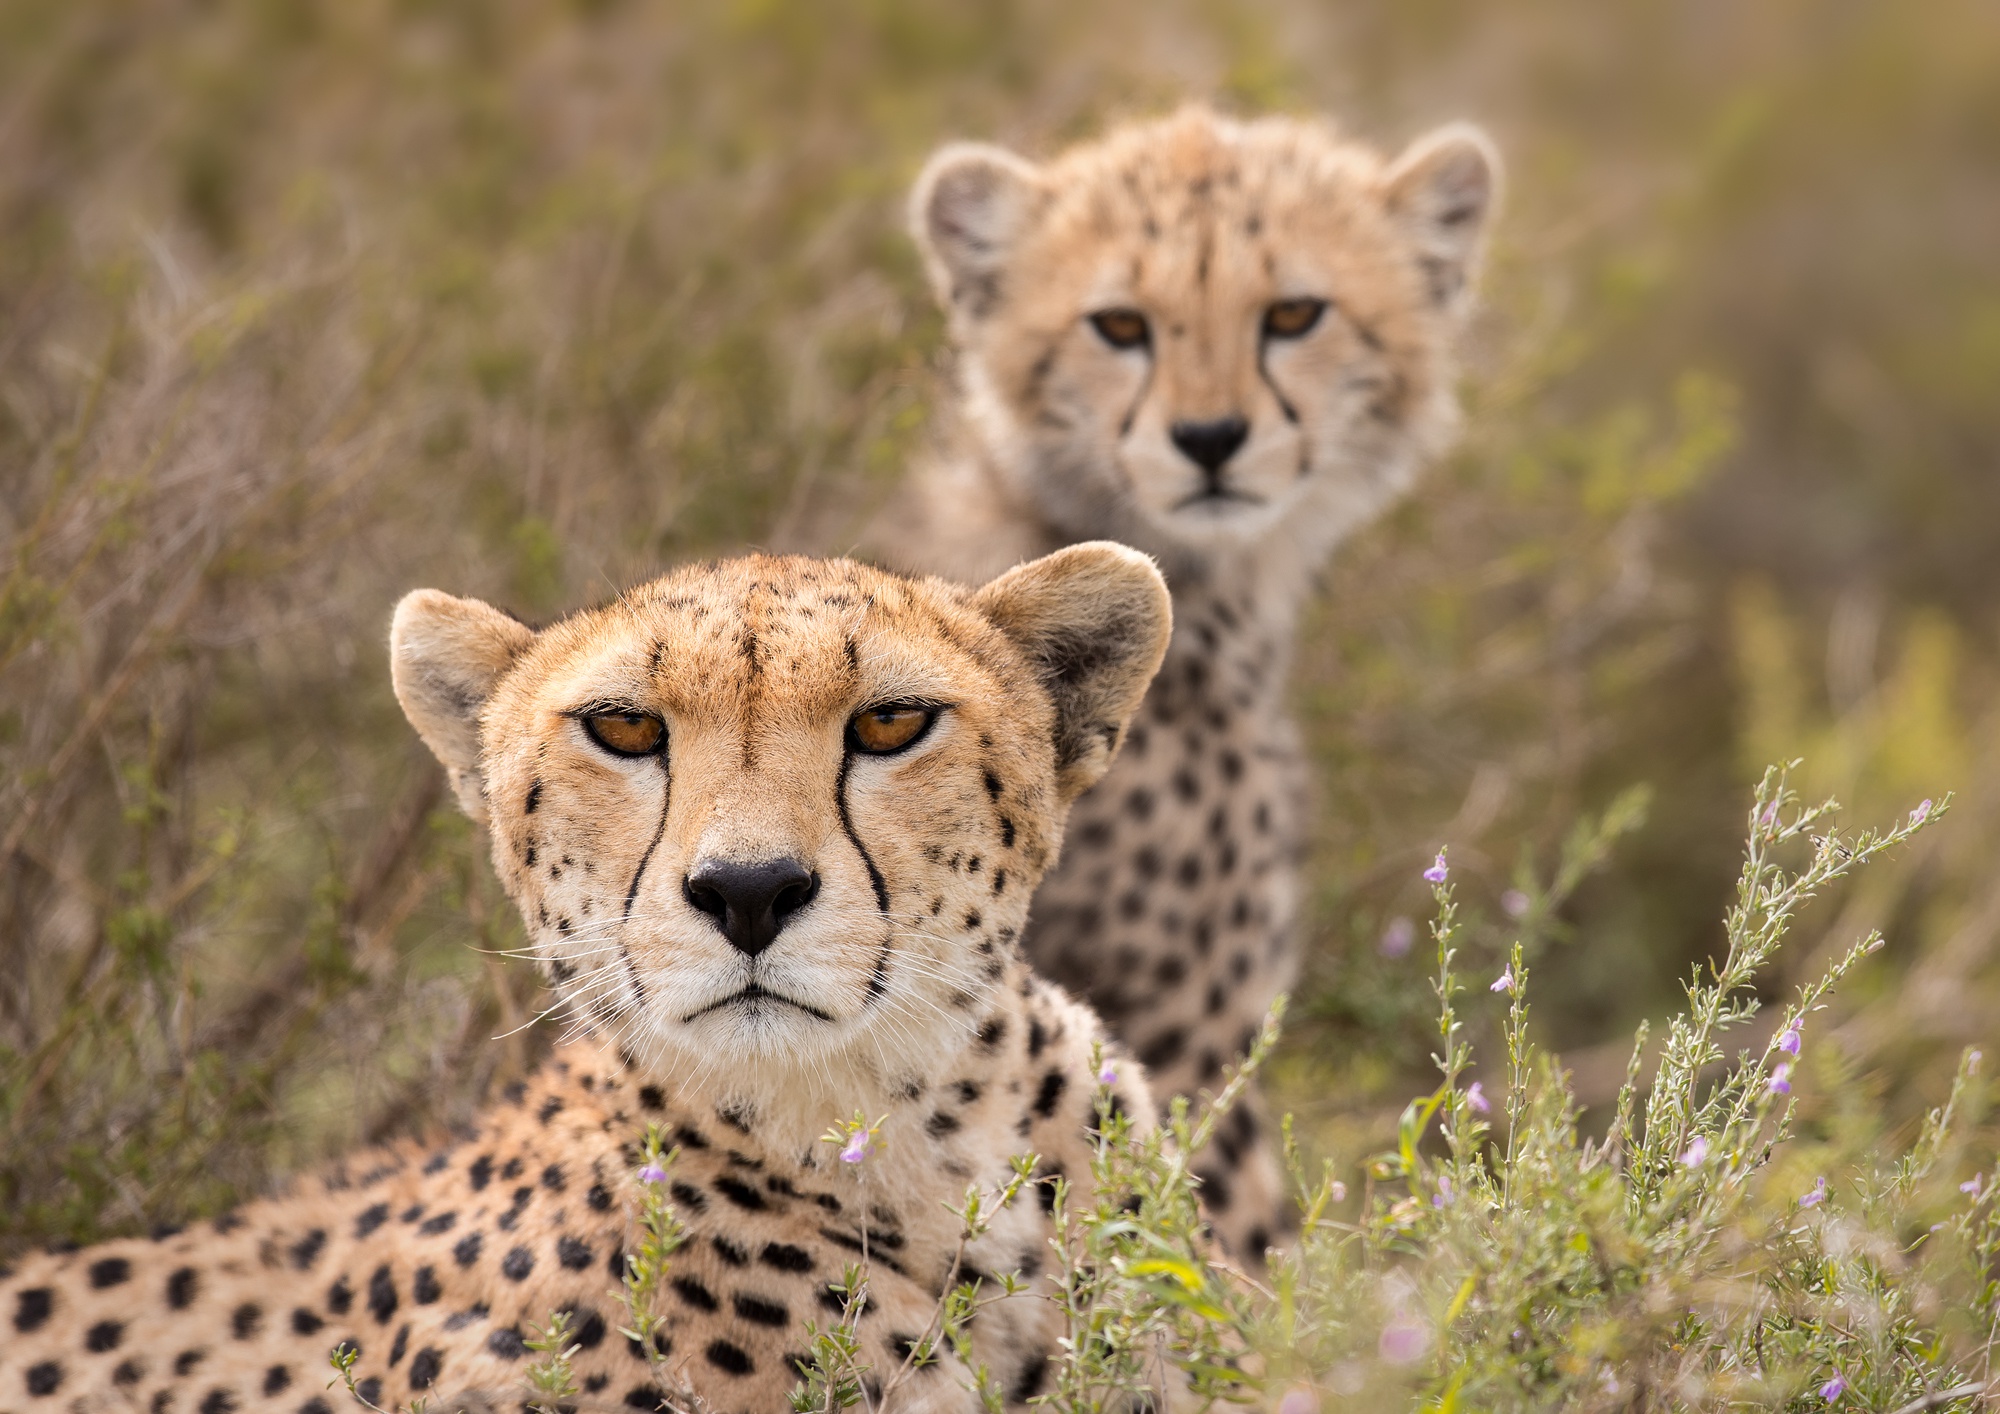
{"type": "Point", "coordinates": [1196, 330]}
{"type": "Point", "coordinates": [770, 818]}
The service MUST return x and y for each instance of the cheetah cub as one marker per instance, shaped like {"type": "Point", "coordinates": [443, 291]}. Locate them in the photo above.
{"type": "Point", "coordinates": [1230, 345]}
{"type": "Point", "coordinates": [773, 826]}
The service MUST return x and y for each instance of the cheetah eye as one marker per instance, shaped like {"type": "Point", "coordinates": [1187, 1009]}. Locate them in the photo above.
{"type": "Point", "coordinates": [626, 733]}
{"type": "Point", "coordinates": [885, 730]}
{"type": "Point", "coordinates": [1122, 328]}
{"type": "Point", "coordinates": [1292, 318]}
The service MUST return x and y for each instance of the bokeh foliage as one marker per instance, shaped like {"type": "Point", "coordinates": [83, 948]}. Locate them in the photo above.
{"type": "Point", "coordinates": [303, 305]}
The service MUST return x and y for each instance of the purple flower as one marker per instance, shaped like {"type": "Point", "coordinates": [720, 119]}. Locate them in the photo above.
{"type": "Point", "coordinates": [1833, 1389]}
{"type": "Point", "coordinates": [1781, 1078]}
{"type": "Point", "coordinates": [1921, 813]}
{"type": "Point", "coordinates": [1815, 1195]}
{"type": "Point", "coordinates": [1790, 1042]}
{"type": "Point", "coordinates": [1397, 937]}
{"type": "Point", "coordinates": [1442, 1198]}
{"type": "Point", "coordinates": [1505, 981]}
{"type": "Point", "coordinates": [1299, 1400]}
{"type": "Point", "coordinates": [1696, 1153]}
{"type": "Point", "coordinates": [1770, 815]}
{"type": "Point", "coordinates": [1515, 903]}
{"type": "Point", "coordinates": [1437, 872]}
{"type": "Point", "coordinates": [1971, 1185]}
{"type": "Point", "coordinates": [1108, 1075]}
{"type": "Point", "coordinates": [652, 1173]}
{"type": "Point", "coordinates": [1403, 1341]}
{"type": "Point", "coordinates": [859, 1144]}
{"type": "Point", "coordinates": [1337, 1191]}
{"type": "Point", "coordinates": [1475, 1099]}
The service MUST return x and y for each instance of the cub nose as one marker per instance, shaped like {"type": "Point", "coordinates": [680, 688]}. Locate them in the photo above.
{"type": "Point", "coordinates": [1209, 444]}
{"type": "Point", "coordinates": [751, 902]}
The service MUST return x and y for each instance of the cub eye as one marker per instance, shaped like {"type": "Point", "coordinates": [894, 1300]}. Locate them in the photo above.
{"type": "Point", "coordinates": [1122, 328]}
{"type": "Point", "coordinates": [882, 731]}
{"type": "Point", "coordinates": [1292, 318]}
{"type": "Point", "coordinates": [626, 733]}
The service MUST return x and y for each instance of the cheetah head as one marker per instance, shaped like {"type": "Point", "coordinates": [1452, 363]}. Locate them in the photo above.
{"type": "Point", "coordinates": [1199, 331]}
{"type": "Point", "coordinates": [773, 817]}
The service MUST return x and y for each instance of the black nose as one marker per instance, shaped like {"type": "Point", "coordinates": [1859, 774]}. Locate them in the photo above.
{"type": "Point", "coordinates": [1209, 444]}
{"type": "Point", "coordinates": [751, 902]}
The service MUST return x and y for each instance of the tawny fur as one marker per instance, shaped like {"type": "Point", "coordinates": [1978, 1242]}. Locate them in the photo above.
{"type": "Point", "coordinates": [910, 1003]}
{"type": "Point", "coordinates": [1174, 910]}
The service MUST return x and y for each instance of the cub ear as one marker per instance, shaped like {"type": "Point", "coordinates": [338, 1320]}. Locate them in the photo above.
{"type": "Point", "coordinates": [968, 209]}
{"type": "Point", "coordinates": [446, 656]}
{"type": "Point", "coordinates": [1442, 191]}
{"type": "Point", "coordinates": [1094, 619]}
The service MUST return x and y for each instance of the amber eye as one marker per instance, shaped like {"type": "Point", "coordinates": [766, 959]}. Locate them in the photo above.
{"type": "Point", "coordinates": [626, 733]}
{"type": "Point", "coordinates": [879, 731]}
{"type": "Point", "coordinates": [1292, 318]}
{"type": "Point", "coordinates": [1122, 328]}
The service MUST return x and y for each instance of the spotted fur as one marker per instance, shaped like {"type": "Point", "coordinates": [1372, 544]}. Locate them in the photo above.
{"type": "Point", "coordinates": [1174, 909]}
{"type": "Point", "coordinates": [897, 990]}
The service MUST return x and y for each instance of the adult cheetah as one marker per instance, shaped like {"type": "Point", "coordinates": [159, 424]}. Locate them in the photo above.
{"type": "Point", "coordinates": [773, 826]}
{"type": "Point", "coordinates": [1228, 344]}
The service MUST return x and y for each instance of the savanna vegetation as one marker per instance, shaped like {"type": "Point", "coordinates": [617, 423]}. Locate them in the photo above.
{"type": "Point", "coordinates": [303, 305]}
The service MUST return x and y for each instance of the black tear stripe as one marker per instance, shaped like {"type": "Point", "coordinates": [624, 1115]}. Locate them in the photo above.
{"type": "Point", "coordinates": [1284, 403]}
{"type": "Point", "coordinates": [1138, 399]}
{"type": "Point", "coordinates": [847, 828]}
{"type": "Point", "coordinates": [632, 893]}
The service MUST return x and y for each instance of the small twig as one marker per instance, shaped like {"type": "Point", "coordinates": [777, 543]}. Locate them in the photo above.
{"type": "Point", "coordinates": [1941, 1398]}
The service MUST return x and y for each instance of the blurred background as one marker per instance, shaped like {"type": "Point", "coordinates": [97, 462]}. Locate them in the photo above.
{"type": "Point", "coordinates": [306, 304]}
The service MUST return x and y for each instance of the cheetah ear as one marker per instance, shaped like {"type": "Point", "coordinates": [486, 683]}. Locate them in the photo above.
{"type": "Point", "coordinates": [968, 209]}
{"type": "Point", "coordinates": [446, 656]}
{"type": "Point", "coordinates": [1094, 619]}
{"type": "Point", "coordinates": [1442, 191]}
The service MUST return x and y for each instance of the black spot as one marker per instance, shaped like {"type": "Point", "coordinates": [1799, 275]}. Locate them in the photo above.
{"type": "Point", "coordinates": [551, 1107]}
{"type": "Point", "coordinates": [307, 1249]}
{"type": "Point", "coordinates": [411, 1213]}
{"type": "Point", "coordinates": [371, 1219]}
{"type": "Point", "coordinates": [644, 1397]}
{"type": "Point", "coordinates": [1038, 1037]}
{"type": "Point", "coordinates": [552, 1178]}
{"type": "Point", "coordinates": [424, 1369]}
{"type": "Point", "coordinates": [109, 1271]}
{"type": "Point", "coordinates": [992, 1032]}
{"type": "Point", "coordinates": [1030, 1382]}
{"type": "Point", "coordinates": [382, 1293]}
{"type": "Point", "coordinates": [534, 798]}
{"type": "Point", "coordinates": [1050, 1095]}
{"type": "Point", "coordinates": [369, 1389]}
{"type": "Point", "coordinates": [972, 920]}
{"type": "Point", "coordinates": [785, 1257]}
{"type": "Point", "coordinates": [573, 1253]}
{"type": "Point", "coordinates": [688, 1196]}
{"type": "Point", "coordinates": [315, 1405]}
{"type": "Point", "coordinates": [507, 1343]}
{"type": "Point", "coordinates": [513, 1169]}
{"type": "Point", "coordinates": [1164, 1049]}
{"type": "Point", "coordinates": [1139, 803]}
{"type": "Point", "coordinates": [941, 1124]}
{"type": "Point", "coordinates": [245, 1319]}
{"type": "Point", "coordinates": [443, 1222]}
{"type": "Point", "coordinates": [1169, 971]}
{"type": "Point", "coordinates": [968, 1091]}
{"type": "Point", "coordinates": [129, 1372]}
{"type": "Point", "coordinates": [685, 1136]}
{"type": "Point", "coordinates": [459, 1320]}
{"type": "Point", "coordinates": [481, 1172]}
{"type": "Point", "coordinates": [424, 1287]}
{"type": "Point", "coordinates": [1006, 832]}
{"type": "Point", "coordinates": [32, 1307]}
{"type": "Point", "coordinates": [739, 1193]}
{"type": "Point", "coordinates": [467, 1250]}
{"type": "Point", "coordinates": [516, 1265]}
{"type": "Point", "coordinates": [759, 1311]}
{"type": "Point", "coordinates": [104, 1336]}
{"type": "Point", "coordinates": [185, 1362]}
{"type": "Point", "coordinates": [694, 1293]}
{"type": "Point", "coordinates": [588, 1328]}
{"type": "Point", "coordinates": [599, 1197]}
{"type": "Point", "coordinates": [399, 1345]}
{"type": "Point", "coordinates": [340, 1297]}
{"type": "Point", "coordinates": [727, 1358]}
{"type": "Point", "coordinates": [277, 1380]}
{"type": "Point", "coordinates": [217, 1401]}
{"type": "Point", "coordinates": [45, 1378]}
{"type": "Point", "coordinates": [729, 1252]}
{"type": "Point", "coordinates": [992, 785]}
{"type": "Point", "coordinates": [305, 1321]}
